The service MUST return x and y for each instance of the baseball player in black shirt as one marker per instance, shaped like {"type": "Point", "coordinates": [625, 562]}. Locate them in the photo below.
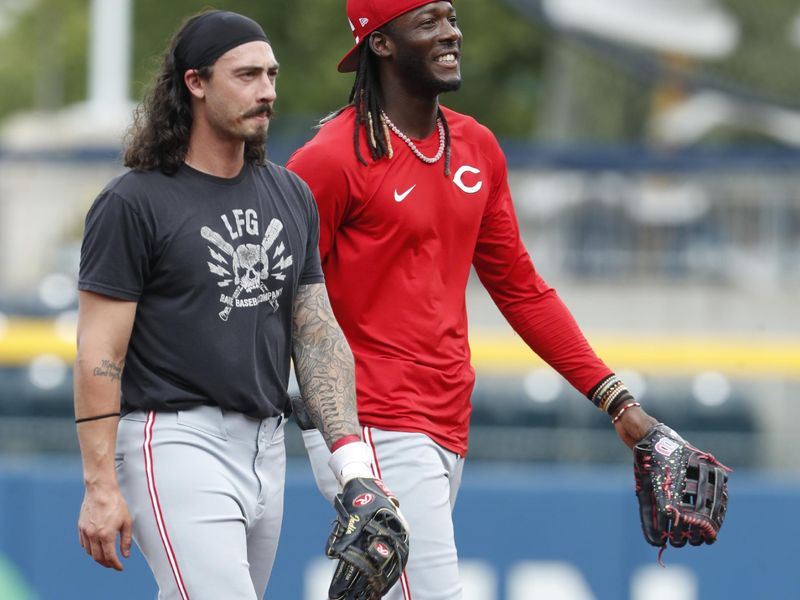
{"type": "Point", "coordinates": [199, 281]}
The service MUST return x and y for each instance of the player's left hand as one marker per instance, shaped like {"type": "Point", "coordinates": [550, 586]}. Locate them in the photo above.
{"type": "Point", "coordinates": [682, 491]}
{"type": "Point", "coordinates": [370, 539]}
{"type": "Point", "coordinates": [633, 425]}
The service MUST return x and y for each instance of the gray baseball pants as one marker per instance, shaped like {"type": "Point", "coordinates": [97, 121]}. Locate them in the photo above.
{"type": "Point", "coordinates": [205, 489]}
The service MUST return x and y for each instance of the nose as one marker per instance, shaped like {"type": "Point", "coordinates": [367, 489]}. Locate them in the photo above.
{"type": "Point", "coordinates": [450, 31]}
{"type": "Point", "coordinates": [266, 91]}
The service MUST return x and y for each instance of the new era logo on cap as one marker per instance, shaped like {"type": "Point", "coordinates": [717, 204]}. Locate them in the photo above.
{"type": "Point", "coordinates": [370, 15]}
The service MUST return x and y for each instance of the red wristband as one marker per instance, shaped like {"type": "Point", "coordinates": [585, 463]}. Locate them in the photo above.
{"type": "Point", "coordinates": [343, 441]}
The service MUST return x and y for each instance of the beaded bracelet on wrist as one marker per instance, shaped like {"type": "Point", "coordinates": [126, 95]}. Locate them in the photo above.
{"type": "Point", "coordinates": [600, 395]}
{"type": "Point", "coordinates": [610, 394]}
{"type": "Point", "coordinates": [623, 409]}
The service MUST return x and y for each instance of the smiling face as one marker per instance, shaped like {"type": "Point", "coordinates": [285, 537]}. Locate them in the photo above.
{"type": "Point", "coordinates": [425, 48]}
{"type": "Point", "coordinates": [241, 91]}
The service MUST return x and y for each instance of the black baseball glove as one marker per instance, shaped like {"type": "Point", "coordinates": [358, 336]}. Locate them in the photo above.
{"type": "Point", "coordinates": [370, 539]}
{"type": "Point", "coordinates": [682, 491]}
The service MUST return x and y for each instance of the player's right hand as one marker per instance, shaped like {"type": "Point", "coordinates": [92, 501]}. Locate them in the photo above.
{"type": "Point", "coordinates": [104, 513]}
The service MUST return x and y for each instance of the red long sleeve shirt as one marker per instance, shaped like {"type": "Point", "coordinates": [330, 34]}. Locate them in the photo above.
{"type": "Point", "coordinates": [397, 239]}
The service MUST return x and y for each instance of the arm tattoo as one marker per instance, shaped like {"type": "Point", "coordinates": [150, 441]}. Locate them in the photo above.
{"type": "Point", "coordinates": [108, 369]}
{"type": "Point", "coordinates": [323, 365]}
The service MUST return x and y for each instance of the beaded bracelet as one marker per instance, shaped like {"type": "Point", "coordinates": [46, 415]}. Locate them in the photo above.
{"type": "Point", "coordinates": [623, 409]}
{"type": "Point", "coordinates": [613, 394]}
{"type": "Point", "coordinates": [602, 396]}
{"type": "Point", "coordinates": [601, 389]}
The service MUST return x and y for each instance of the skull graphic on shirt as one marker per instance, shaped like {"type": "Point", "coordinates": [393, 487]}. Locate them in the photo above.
{"type": "Point", "coordinates": [248, 268]}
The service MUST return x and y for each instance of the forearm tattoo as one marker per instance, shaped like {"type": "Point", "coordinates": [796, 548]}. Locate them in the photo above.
{"type": "Point", "coordinates": [323, 365]}
{"type": "Point", "coordinates": [108, 369]}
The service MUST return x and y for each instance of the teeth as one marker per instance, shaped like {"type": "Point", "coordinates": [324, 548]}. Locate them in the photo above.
{"type": "Point", "coordinates": [446, 58]}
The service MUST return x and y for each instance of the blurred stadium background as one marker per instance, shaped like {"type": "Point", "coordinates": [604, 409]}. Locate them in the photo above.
{"type": "Point", "coordinates": [654, 149]}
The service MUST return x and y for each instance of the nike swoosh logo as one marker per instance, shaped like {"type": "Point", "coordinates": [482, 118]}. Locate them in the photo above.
{"type": "Point", "coordinates": [401, 197]}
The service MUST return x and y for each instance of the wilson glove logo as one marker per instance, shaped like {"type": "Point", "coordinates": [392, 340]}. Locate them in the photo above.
{"type": "Point", "coordinates": [666, 446]}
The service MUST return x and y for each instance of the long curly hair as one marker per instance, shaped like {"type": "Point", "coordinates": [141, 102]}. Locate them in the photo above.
{"type": "Point", "coordinates": [158, 137]}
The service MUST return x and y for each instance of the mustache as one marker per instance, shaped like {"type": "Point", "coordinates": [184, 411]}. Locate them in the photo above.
{"type": "Point", "coordinates": [263, 109]}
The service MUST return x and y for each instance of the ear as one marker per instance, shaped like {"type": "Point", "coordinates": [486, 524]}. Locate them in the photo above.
{"type": "Point", "coordinates": [195, 83]}
{"type": "Point", "coordinates": [381, 44]}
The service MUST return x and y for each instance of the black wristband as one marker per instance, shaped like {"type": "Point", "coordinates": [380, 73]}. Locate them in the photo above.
{"type": "Point", "coordinates": [624, 397]}
{"type": "Point", "coordinates": [97, 417]}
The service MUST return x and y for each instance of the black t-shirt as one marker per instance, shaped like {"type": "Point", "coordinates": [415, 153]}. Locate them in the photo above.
{"type": "Point", "coordinates": [214, 265]}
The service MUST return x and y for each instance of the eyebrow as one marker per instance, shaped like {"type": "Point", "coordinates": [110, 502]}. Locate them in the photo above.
{"type": "Point", "coordinates": [272, 67]}
{"type": "Point", "coordinates": [432, 10]}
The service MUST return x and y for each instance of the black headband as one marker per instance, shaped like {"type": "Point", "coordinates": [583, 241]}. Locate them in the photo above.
{"type": "Point", "coordinates": [207, 37]}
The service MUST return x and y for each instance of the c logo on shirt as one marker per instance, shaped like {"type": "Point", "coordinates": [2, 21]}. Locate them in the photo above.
{"type": "Point", "coordinates": [469, 189]}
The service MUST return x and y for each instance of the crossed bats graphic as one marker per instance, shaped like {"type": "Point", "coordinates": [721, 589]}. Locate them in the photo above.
{"type": "Point", "coordinates": [270, 235]}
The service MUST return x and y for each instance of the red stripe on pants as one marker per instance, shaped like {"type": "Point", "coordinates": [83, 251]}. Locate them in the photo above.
{"type": "Point", "coordinates": [376, 470]}
{"type": "Point", "coordinates": [159, 515]}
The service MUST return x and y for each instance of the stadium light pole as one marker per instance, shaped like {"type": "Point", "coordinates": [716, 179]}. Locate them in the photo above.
{"type": "Point", "coordinates": [109, 55]}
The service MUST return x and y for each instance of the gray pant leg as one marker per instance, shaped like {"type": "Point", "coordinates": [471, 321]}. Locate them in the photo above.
{"type": "Point", "coordinates": [425, 478]}
{"type": "Point", "coordinates": [262, 539]}
{"type": "Point", "coordinates": [198, 504]}
{"type": "Point", "coordinates": [318, 456]}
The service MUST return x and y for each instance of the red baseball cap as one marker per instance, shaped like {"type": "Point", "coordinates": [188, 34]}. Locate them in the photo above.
{"type": "Point", "coordinates": [366, 16]}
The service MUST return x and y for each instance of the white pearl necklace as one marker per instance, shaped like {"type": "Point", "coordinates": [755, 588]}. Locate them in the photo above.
{"type": "Point", "coordinates": [426, 159]}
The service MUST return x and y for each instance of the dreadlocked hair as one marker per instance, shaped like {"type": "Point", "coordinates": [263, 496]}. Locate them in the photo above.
{"type": "Point", "coordinates": [365, 97]}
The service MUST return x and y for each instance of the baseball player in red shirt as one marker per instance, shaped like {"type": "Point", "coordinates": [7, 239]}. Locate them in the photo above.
{"type": "Point", "coordinates": [410, 196]}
